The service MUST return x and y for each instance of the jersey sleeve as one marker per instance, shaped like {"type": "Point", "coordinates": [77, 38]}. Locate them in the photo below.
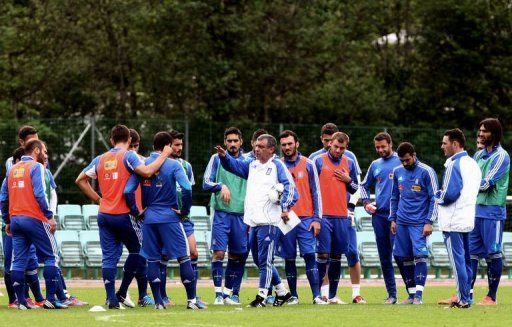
{"type": "Point", "coordinates": [237, 167]}
{"type": "Point", "coordinates": [366, 184]}
{"type": "Point", "coordinates": [432, 186]}
{"type": "Point", "coordinates": [92, 169]}
{"type": "Point", "coordinates": [395, 197]}
{"type": "Point", "coordinates": [290, 194]}
{"type": "Point", "coordinates": [452, 185]}
{"type": "Point", "coordinates": [499, 167]}
{"type": "Point", "coordinates": [4, 201]}
{"type": "Point", "coordinates": [353, 185]}
{"type": "Point", "coordinates": [37, 173]}
{"type": "Point", "coordinates": [314, 187]}
{"type": "Point", "coordinates": [52, 180]}
{"type": "Point", "coordinates": [190, 174]}
{"type": "Point", "coordinates": [132, 161]}
{"type": "Point", "coordinates": [129, 194]}
{"type": "Point", "coordinates": [210, 175]}
{"type": "Point", "coordinates": [186, 188]}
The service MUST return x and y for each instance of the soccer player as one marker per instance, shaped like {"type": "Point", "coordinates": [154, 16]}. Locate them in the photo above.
{"type": "Point", "coordinates": [352, 253]}
{"type": "Point", "coordinates": [31, 222]}
{"type": "Point", "coordinates": [309, 209]}
{"type": "Point", "coordinates": [229, 232]}
{"type": "Point", "coordinates": [142, 269]}
{"type": "Point", "coordinates": [456, 210]}
{"type": "Point", "coordinates": [411, 214]}
{"type": "Point", "coordinates": [380, 176]}
{"type": "Point", "coordinates": [338, 177]}
{"type": "Point", "coordinates": [485, 241]}
{"type": "Point", "coordinates": [162, 227]}
{"type": "Point", "coordinates": [116, 226]}
{"type": "Point", "coordinates": [25, 134]}
{"type": "Point", "coordinates": [263, 215]}
{"type": "Point", "coordinates": [32, 262]}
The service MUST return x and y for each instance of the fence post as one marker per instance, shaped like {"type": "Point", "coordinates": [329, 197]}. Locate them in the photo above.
{"type": "Point", "coordinates": [93, 144]}
{"type": "Point", "coordinates": [186, 139]}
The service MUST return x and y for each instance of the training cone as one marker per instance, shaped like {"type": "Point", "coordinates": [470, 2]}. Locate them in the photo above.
{"type": "Point", "coordinates": [97, 308]}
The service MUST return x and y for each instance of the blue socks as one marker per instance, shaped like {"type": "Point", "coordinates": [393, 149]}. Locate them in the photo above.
{"type": "Point", "coordinates": [187, 277]}
{"type": "Point", "coordinates": [32, 281]}
{"type": "Point", "coordinates": [8, 286]}
{"type": "Point", "coordinates": [312, 274]}
{"type": "Point", "coordinates": [141, 277]}
{"type": "Point", "coordinates": [290, 269]}
{"type": "Point", "coordinates": [109, 280]}
{"type": "Point", "coordinates": [407, 269]}
{"type": "Point", "coordinates": [494, 271]}
{"type": "Point", "coordinates": [163, 278]}
{"type": "Point", "coordinates": [50, 274]}
{"type": "Point", "coordinates": [193, 262]}
{"type": "Point", "coordinates": [420, 275]}
{"type": "Point", "coordinates": [18, 284]}
{"type": "Point", "coordinates": [334, 276]}
{"type": "Point", "coordinates": [154, 273]}
{"type": "Point", "coordinates": [474, 272]}
{"type": "Point", "coordinates": [129, 270]}
{"type": "Point", "coordinates": [217, 272]}
{"type": "Point", "coordinates": [322, 268]}
{"type": "Point", "coordinates": [239, 272]}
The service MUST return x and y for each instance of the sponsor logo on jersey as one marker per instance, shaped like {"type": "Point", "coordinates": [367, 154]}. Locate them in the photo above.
{"type": "Point", "coordinates": [416, 188]}
{"type": "Point", "coordinates": [19, 172]}
{"type": "Point", "coordinates": [110, 164]}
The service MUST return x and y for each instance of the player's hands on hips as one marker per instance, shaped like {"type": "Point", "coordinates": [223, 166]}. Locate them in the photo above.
{"type": "Point", "coordinates": [178, 212]}
{"type": "Point", "coordinates": [53, 225]}
{"type": "Point", "coordinates": [220, 151]}
{"type": "Point", "coordinates": [284, 217]}
{"type": "Point", "coordinates": [393, 227]}
{"type": "Point", "coordinates": [8, 229]}
{"type": "Point", "coordinates": [427, 230]}
{"type": "Point", "coordinates": [225, 194]}
{"type": "Point", "coordinates": [342, 176]}
{"type": "Point", "coordinates": [315, 225]}
{"type": "Point", "coordinates": [370, 208]}
{"type": "Point", "coordinates": [167, 151]}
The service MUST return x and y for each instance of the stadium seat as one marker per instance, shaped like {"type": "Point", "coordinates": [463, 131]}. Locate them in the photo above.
{"type": "Point", "coordinates": [92, 250]}
{"type": "Point", "coordinates": [204, 259]}
{"type": "Point", "coordinates": [507, 252]}
{"type": "Point", "coordinates": [360, 215]}
{"type": "Point", "coordinates": [71, 217]}
{"type": "Point", "coordinates": [70, 250]}
{"type": "Point", "coordinates": [368, 253]}
{"type": "Point", "coordinates": [198, 211]}
{"type": "Point", "coordinates": [439, 259]}
{"type": "Point", "coordinates": [90, 213]}
{"type": "Point", "coordinates": [201, 223]}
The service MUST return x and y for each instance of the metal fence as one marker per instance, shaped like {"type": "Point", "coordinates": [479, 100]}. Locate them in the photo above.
{"type": "Point", "coordinates": [75, 142]}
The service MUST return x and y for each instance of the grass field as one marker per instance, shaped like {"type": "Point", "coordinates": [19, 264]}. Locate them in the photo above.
{"type": "Point", "coordinates": [372, 314]}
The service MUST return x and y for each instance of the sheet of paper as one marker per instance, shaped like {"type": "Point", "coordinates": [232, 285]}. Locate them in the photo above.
{"type": "Point", "coordinates": [290, 224]}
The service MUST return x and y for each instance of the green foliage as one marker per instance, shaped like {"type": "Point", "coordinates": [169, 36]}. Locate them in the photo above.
{"type": "Point", "coordinates": [265, 61]}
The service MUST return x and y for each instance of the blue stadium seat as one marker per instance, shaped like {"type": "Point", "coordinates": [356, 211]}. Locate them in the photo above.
{"type": "Point", "coordinates": [70, 216]}
{"type": "Point", "coordinates": [201, 223]}
{"type": "Point", "coordinates": [90, 213]}
{"type": "Point", "coordinates": [368, 253]}
{"type": "Point", "coordinates": [92, 250]}
{"type": "Point", "coordinates": [70, 250]}
{"type": "Point", "coordinates": [198, 211]}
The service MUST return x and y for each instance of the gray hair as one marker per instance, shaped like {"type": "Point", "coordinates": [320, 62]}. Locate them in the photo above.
{"type": "Point", "coordinates": [271, 141]}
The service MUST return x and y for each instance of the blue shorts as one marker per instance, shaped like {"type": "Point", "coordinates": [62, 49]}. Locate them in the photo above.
{"type": "Point", "coordinates": [287, 248]}
{"type": "Point", "coordinates": [164, 239]}
{"type": "Point", "coordinates": [229, 232]}
{"type": "Point", "coordinates": [188, 225]}
{"type": "Point", "coordinates": [486, 238]}
{"type": "Point", "coordinates": [334, 236]}
{"type": "Point", "coordinates": [116, 230]}
{"type": "Point", "coordinates": [32, 263]}
{"type": "Point", "coordinates": [352, 253]}
{"type": "Point", "coordinates": [410, 242]}
{"type": "Point", "coordinates": [27, 231]}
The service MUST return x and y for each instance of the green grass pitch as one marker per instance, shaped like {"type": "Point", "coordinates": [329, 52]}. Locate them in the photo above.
{"type": "Point", "coordinates": [372, 314]}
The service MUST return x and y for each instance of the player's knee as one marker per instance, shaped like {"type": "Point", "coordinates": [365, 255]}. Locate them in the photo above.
{"type": "Point", "coordinates": [194, 255]}
{"type": "Point", "coordinates": [493, 256]}
{"type": "Point", "coordinates": [219, 255]}
{"type": "Point", "coordinates": [322, 257]}
{"type": "Point", "coordinates": [183, 259]}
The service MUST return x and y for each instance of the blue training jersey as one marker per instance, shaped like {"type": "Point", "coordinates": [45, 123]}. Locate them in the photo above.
{"type": "Point", "coordinates": [159, 194]}
{"type": "Point", "coordinates": [412, 196]}
{"type": "Point", "coordinates": [380, 175]}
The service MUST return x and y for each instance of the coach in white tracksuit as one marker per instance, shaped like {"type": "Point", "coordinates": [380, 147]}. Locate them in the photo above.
{"type": "Point", "coordinates": [456, 211]}
{"type": "Point", "coordinates": [263, 173]}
